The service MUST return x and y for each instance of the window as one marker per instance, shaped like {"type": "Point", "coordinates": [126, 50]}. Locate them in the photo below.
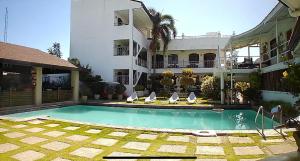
{"type": "Point", "coordinates": [173, 59]}
{"type": "Point", "coordinates": [194, 58]}
{"type": "Point", "coordinates": [273, 46]}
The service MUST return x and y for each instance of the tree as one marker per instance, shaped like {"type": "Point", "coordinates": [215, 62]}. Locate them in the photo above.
{"type": "Point", "coordinates": [162, 30]}
{"type": "Point", "coordinates": [187, 79]}
{"type": "Point", "coordinates": [55, 50]}
{"type": "Point", "coordinates": [210, 87]}
{"type": "Point", "coordinates": [167, 80]}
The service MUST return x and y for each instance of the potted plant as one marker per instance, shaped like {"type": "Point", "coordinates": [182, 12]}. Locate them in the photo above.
{"type": "Point", "coordinates": [139, 90]}
{"type": "Point", "coordinates": [84, 92]}
{"type": "Point", "coordinates": [110, 91]}
{"type": "Point", "coordinates": [120, 89]}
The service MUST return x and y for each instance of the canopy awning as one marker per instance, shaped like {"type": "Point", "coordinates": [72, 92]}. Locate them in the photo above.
{"type": "Point", "coordinates": [279, 12]}
{"type": "Point", "coordinates": [293, 5]}
{"type": "Point", "coordinates": [31, 57]}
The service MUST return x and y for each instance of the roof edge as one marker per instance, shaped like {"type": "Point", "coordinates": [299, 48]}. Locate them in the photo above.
{"type": "Point", "coordinates": [145, 8]}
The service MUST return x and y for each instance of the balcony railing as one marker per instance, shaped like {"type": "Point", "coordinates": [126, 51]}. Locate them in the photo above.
{"type": "Point", "coordinates": [122, 50]}
{"type": "Point", "coordinates": [185, 64]}
{"type": "Point", "coordinates": [123, 79]}
{"type": "Point", "coordinates": [242, 62]}
{"type": "Point", "coordinates": [142, 62]}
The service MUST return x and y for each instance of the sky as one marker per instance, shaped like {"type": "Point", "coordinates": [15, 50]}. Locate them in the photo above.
{"type": "Point", "coordinates": [40, 23]}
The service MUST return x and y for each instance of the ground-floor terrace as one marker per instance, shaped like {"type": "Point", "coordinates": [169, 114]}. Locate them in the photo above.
{"type": "Point", "coordinates": [57, 140]}
{"type": "Point", "coordinates": [32, 77]}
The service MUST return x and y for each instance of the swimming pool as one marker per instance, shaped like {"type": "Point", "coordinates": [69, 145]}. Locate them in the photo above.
{"type": "Point", "coordinates": [154, 118]}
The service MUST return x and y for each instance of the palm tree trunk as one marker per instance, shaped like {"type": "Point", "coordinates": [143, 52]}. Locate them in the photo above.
{"type": "Point", "coordinates": [154, 62]}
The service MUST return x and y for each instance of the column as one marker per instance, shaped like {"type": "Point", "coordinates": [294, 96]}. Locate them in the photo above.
{"type": "Point", "coordinates": [75, 85]}
{"type": "Point", "coordinates": [38, 85]}
{"type": "Point", "coordinates": [222, 88]}
{"type": "Point", "coordinates": [130, 90]}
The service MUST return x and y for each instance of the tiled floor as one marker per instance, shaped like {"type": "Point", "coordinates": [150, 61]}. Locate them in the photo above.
{"type": "Point", "coordinates": [59, 141]}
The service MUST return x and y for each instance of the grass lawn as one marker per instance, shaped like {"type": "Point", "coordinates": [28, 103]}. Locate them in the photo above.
{"type": "Point", "coordinates": [161, 101]}
{"type": "Point", "coordinates": [185, 145]}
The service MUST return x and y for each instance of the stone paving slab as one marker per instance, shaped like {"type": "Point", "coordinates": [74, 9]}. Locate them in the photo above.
{"type": "Point", "coordinates": [250, 159]}
{"type": "Point", "coordinates": [60, 159]}
{"type": "Point", "coordinates": [93, 131]}
{"type": "Point", "coordinates": [28, 155]}
{"type": "Point", "coordinates": [6, 147]}
{"type": "Point", "coordinates": [240, 140]}
{"type": "Point", "coordinates": [137, 146]}
{"type": "Point", "coordinates": [165, 159]}
{"type": "Point", "coordinates": [172, 149]}
{"type": "Point", "coordinates": [119, 154]}
{"type": "Point", "coordinates": [147, 136]}
{"type": "Point", "coordinates": [247, 150]}
{"type": "Point", "coordinates": [211, 160]}
{"type": "Point", "coordinates": [77, 137]}
{"type": "Point", "coordinates": [282, 148]}
{"type": "Point", "coordinates": [272, 141]}
{"type": "Point", "coordinates": [269, 133]}
{"type": "Point", "coordinates": [35, 122]}
{"type": "Point", "coordinates": [116, 133]}
{"type": "Point", "coordinates": [87, 152]}
{"type": "Point", "coordinates": [209, 140]}
{"type": "Point", "coordinates": [56, 146]}
{"type": "Point", "coordinates": [105, 142]}
{"type": "Point", "coordinates": [54, 133]}
{"type": "Point", "coordinates": [52, 125]}
{"type": "Point", "coordinates": [71, 128]}
{"type": "Point", "coordinates": [210, 150]}
{"type": "Point", "coordinates": [35, 129]}
{"type": "Point", "coordinates": [3, 130]}
{"type": "Point", "coordinates": [179, 138]}
{"type": "Point", "coordinates": [19, 126]}
{"type": "Point", "coordinates": [33, 140]}
{"type": "Point", "coordinates": [14, 135]}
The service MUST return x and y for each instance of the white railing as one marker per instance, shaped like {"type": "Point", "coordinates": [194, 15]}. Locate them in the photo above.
{"type": "Point", "coordinates": [142, 62]}
{"type": "Point", "coordinates": [122, 50]}
{"type": "Point", "coordinates": [261, 131]}
{"type": "Point", "coordinates": [123, 79]}
{"type": "Point", "coordinates": [242, 62]}
{"type": "Point", "coordinates": [186, 64]}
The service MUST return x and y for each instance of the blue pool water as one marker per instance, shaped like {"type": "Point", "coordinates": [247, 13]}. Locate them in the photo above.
{"type": "Point", "coordinates": [154, 118]}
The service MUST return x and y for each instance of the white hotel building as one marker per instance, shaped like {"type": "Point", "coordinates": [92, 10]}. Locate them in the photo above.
{"type": "Point", "coordinates": [113, 36]}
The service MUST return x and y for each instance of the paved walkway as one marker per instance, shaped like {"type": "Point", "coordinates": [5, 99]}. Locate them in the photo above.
{"type": "Point", "coordinates": [60, 141]}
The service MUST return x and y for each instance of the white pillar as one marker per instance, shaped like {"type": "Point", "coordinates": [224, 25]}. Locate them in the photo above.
{"type": "Point", "coordinates": [75, 85]}
{"type": "Point", "coordinates": [222, 88]}
{"type": "Point", "coordinates": [38, 85]}
{"type": "Point", "coordinates": [277, 41]}
{"type": "Point", "coordinates": [130, 90]}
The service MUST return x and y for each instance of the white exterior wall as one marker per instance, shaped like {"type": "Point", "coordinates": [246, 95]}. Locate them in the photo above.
{"type": "Point", "coordinates": [93, 33]}
{"type": "Point", "coordinates": [279, 96]}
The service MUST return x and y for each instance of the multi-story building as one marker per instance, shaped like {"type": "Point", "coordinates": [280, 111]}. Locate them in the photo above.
{"type": "Point", "coordinates": [272, 36]}
{"type": "Point", "coordinates": [113, 36]}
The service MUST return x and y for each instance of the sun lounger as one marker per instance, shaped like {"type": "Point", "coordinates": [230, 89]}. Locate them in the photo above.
{"type": "Point", "coordinates": [174, 98]}
{"type": "Point", "coordinates": [133, 97]}
{"type": "Point", "coordinates": [151, 98]}
{"type": "Point", "coordinates": [192, 98]}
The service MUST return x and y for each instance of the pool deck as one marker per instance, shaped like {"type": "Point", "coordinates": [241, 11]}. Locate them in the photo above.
{"type": "Point", "coordinates": [54, 140]}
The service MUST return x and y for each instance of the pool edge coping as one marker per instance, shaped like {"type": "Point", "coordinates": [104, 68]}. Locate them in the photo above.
{"type": "Point", "coordinates": [184, 131]}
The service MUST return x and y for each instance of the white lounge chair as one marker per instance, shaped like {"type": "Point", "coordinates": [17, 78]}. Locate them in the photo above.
{"type": "Point", "coordinates": [174, 98]}
{"type": "Point", "coordinates": [192, 98]}
{"type": "Point", "coordinates": [133, 97]}
{"type": "Point", "coordinates": [151, 98]}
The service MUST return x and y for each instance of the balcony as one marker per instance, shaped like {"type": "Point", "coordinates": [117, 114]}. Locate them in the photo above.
{"type": "Point", "coordinates": [121, 47]}
{"type": "Point", "coordinates": [122, 51]}
{"type": "Point", "coordinates": [122, 79]}
{"type": "Point", "coordinates": [185, 64]}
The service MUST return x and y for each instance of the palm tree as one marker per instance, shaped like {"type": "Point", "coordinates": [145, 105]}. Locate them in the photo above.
{"type": "Point", "coordinates": [163, 29]}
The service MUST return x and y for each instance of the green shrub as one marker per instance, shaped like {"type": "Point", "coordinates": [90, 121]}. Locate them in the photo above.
{"type": "Point", "coordinates": [287, 109]}
{"type": "Point", "coordinates": [110, 89]}
{"type": "Point", "coordinates": [187, 79]}
{"type": "Point", "coordinates": [210, 87]}
{"type": "Point", "coordinates": [120, 89]}
{"type": "Point", "coordinates": [139, 88]}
